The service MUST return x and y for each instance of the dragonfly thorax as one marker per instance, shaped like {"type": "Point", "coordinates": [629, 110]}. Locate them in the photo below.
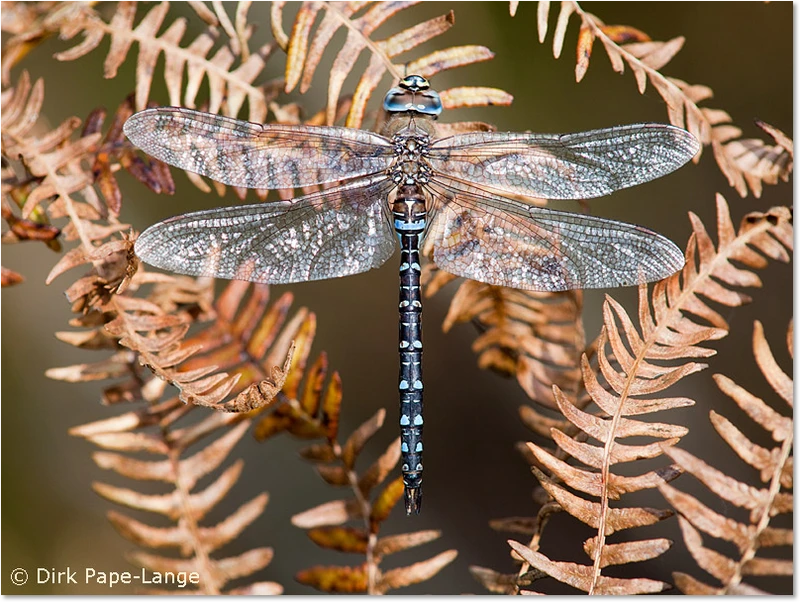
{"type": "Point", "coordinates": [410, 167]}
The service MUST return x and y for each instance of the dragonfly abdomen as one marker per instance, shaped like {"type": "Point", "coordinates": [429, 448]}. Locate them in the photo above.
{"type": "Point", "coordinates": [409, 222]}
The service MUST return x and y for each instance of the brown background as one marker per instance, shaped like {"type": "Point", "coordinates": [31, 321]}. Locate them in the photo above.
{"type": "Point", "coordinates": [51, 518]}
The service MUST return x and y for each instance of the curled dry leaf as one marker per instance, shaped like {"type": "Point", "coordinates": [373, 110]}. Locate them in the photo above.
{"type": "Point", "coordinates": [261, 394]}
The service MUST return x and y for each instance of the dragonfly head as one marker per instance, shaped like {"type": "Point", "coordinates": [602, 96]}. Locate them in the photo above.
{"type": "Point", "coordinates": [414, 83]}
{"type": "Point", "coordinates": [413, 95]}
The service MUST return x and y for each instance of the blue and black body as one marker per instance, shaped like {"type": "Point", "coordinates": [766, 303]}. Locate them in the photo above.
{"type": "Point", "coordinates": [411, 106]}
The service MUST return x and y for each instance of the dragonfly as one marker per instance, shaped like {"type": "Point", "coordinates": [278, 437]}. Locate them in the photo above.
{"type": "Point", "coordinates": [448, 198]}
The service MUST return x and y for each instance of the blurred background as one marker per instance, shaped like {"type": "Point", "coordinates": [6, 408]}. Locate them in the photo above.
{"type": "Point", "coordinates": [51, 517]}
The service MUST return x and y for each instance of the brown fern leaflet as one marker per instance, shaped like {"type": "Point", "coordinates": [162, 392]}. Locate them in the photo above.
{"type": "Point", "coordinates": [535, 336]}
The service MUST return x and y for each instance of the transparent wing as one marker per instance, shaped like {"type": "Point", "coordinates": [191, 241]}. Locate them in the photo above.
{"type": "Point", "coordinates": [507, 243]}
{"type": "Point", "coordinates": [241, 153]}
{"type": "Point", "coordinates": [565, 166]}
{"type": "Point", "coordinates": [337, 232]}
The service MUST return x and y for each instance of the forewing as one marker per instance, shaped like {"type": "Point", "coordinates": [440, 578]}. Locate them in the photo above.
{"type": "Point", "coordinates": [565, 166]}
{"type": "Point", "coordinates": [338, 232]}
{"type": "Point", "coordinates": [507, 243]}
{"type": "Point", "coordinates": [241, 153]}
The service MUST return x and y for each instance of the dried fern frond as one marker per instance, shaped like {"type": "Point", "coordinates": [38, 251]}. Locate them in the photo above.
{"type": "Point", "coordinates": [145, 338]}
{"type": "Point", "coordinates": [184, 505]}
{"type": "Point", "coordinates": [305, 49]}
{"type": "Point", "coordinates": [754, 537]}
{"type": "Point", "coordinates": [231, 71]}
{"type": "Point", "coordinates": [672, 324]}
{"type": "Point", "coordinates": [116, 151]}
{"type": "Point", "coordinates": [27, 24]}
{"type": "Point", "coordinates": [744, 162]}
{"type": "Point", "coordinates": [536, 336]}
{"type": "Point", "coordinates": [62, 174]}
{"type": "Point", "coordinates": [229, 87]}
{"type": "Point", "coordinates": [53, 159]}
{"type": "Point", "coordinates": [154, 331]}
{"type": "Point", "coordinates": [50, 175]}
{"type": "Point", "coordinates": [238, 352]}
{"type": "Point", "coordinates": [309, 408]}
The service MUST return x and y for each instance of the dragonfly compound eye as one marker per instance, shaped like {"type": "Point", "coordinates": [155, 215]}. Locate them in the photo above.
{"type": "Point", "coordinates": [401, 100]}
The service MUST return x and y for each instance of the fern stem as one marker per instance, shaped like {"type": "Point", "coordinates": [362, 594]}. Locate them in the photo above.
{"type": "Point", "coordinates": [390, 67]}
{"type": "Point", "coordinates": [202, 559]}
{"type": "Point", "coordinates": [363, 502]}
{"type": "Point", "coordinates": [764, 519]}
{"type": "Point", "coordinates": [372, 538]}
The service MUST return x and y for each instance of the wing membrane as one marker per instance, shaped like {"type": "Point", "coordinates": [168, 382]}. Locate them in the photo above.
{"type": "Point", "coordinates": [564, 166]}
{"type": "Point", "coordinates": [507, 243]}
{"type": "Point", "coordinates": [241, 153]}
{"type": "Point", "coordinates": [337, 232]}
